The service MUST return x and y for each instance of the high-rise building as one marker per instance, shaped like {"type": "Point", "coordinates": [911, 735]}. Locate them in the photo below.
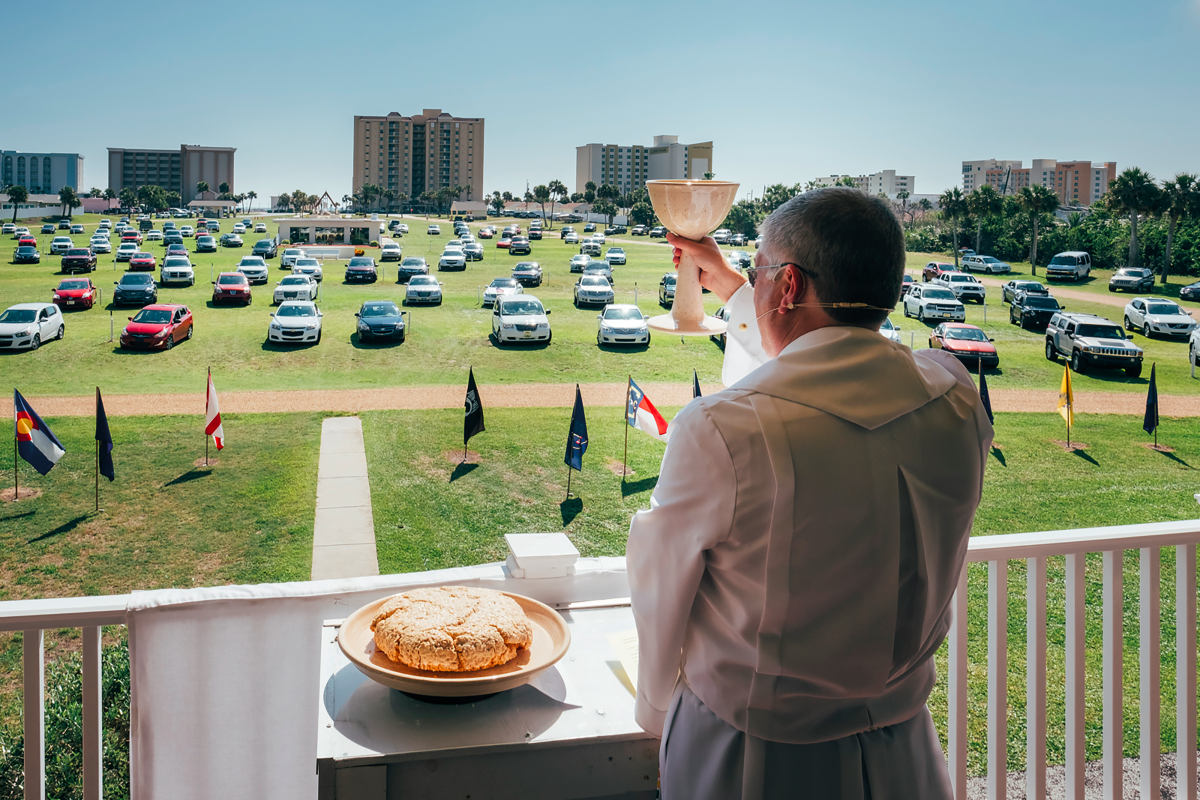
{"type": "Point", "coordinates": [1075, 182]}
{"type": "Point", "coordinates": [629, 167]}
{"type": "Point", "coordinates": [883, 182]}
{"type": "Point", "coordinates": [426, 152]}
{"type": "Point", "coordinates": [174, 170]}
{"type": "Point", "coordinates": [975, 172]}
{"type": "Point", "coordinates": [42, 173]}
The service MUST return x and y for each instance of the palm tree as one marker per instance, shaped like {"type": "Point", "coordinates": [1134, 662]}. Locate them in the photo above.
{"type": "Point", "coordinates": [251, 196]}
{"type": "Point", "coordinates": [558, 191]}
{"type": "Point", "coordinates": [954, 207]}
{"type": "Point", "coordinates": [285, 200]}
{"type": "Point", "coordinates": [983, 203]}
{"type": "Point", "coordinates": [223, 188]}
{"type": "Point", "coordinates": [110, 195]}
{"type": "Point", "coordinates": [1181, 199]}
{"type": "Point", "coordinates": [201, 186]}
{"type": "Point", "coordinates": [1036, 202]}
{"type": "Point", "coordinates": [541, 194]}
{"type": "Point", "coordinates": [17, 195]}
{"type": "Point", "coordinates": [69, 199]}
{"type": "Point", "coordinates": [1134, 193]}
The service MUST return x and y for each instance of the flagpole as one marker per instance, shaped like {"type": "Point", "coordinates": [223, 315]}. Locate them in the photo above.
{"type": "Point", "coordinates": [206, 385]}
{"type": "Point", "coordinates": [568, 497]}
{"type": "Point", "coordinates": [625, 457]}
{"type": "Point", "coordinates": [97, 456]}
{"type": "Point", "coordinates": [16, 478]}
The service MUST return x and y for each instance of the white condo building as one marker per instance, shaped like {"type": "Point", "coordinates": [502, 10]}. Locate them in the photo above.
{"type": "Point", "coordinates": [882, 182]}
{"type": "Point", "coordinates": [629, 167]}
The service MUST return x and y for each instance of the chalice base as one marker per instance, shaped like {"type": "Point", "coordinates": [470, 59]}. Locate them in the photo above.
{"type": "Point", "coordinates": [707, 326]}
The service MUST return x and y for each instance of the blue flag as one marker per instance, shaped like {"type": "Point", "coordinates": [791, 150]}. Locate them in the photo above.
{"type": "Point", "coordinates": [985, 397]}
{"type": "Point", "coordinates": [577, 439]}
{"type": "Point", "coordinates": [105, 440]}
{"type": "Point", "coordinates": [35, 442]}
{"type": "Point", "coordinates": [695, 385]}
{"type": "Point", "coordinates": [1150, 423]}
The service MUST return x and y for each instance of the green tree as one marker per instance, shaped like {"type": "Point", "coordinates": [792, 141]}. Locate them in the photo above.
{"type": "Point", "coordinates": [541, 195]}
{"type": "Point", "coordinates": [1181, 200]}
{"type": "Point", "coordinates": [708, 176]}
{"type": "Point", "coordinates": [1036, 202]}
{"type": "Point", "coordinates": [110, 194]}
{"type": "Point", "coordinates": [743, 218]}
{"type": "Point", "coordinates": [846, 180]}
{"type": "Point", "coordinates": [1134, 193]}
{"type": "Point", "coordinates": [984, 203]}
{"type": "Point", "coordinates": [284, 201]}
{"type": "Point", "coordinates": [69, 199]}
{"type": "Point", "coordinates": [496, 201]}
{"type": "Point", "coordinates": [577, 197]}
{"type": "Point", "coordinates": [590, 186]}
{"type": "Point", "coordinates": [606, 208]}
{"type": "Point", "coordinates": [128, 197]}
{"type": "Point", "coordinates": [589, 196]}
{"type": "Point", "coordinates": [223, 188]}
{"type": "Point", "coordinates": [642, 214]}
{"type": "Point", "coordinates": [201, 186]}
{"type": "Point", "coordinates": [95, 193]}
{"type": "Point", "coordinates": [251, 196]}
{"type": "Point", "coordinates": [16, 196]}
{"type": "Point", "coordinates": [558, 193]}
{"type": "Point", "coordinates": [954, 207]}
{"type": "Point", "coordinates": [173, 199]}
{"type": "Point", "coordinates": [774, 196]}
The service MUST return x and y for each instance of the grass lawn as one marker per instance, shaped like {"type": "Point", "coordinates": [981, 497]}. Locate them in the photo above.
{"type": "Point", "coordinates": [445, 340]}
{"type": "Point", "coordinates": [432, 513]}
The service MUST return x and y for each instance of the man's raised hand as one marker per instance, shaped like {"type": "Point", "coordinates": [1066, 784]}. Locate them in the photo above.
{"type": "Point", "coordinates": [716, 274]}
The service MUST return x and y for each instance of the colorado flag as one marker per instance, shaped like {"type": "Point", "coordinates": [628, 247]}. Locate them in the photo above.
{"type": "Point", "coordinates": [641, 414]}
{"type": "Point", "coordinates": [35, 443]}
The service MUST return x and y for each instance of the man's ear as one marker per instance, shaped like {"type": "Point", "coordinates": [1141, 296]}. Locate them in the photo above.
{"type": "Point", "coordinates": [794, 282]}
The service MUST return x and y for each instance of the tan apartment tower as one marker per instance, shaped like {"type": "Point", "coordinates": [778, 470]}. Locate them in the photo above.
{"type": "Point", "coordinates": [174, 170]}
{"type": "Point", "coordinates": [425, 152]}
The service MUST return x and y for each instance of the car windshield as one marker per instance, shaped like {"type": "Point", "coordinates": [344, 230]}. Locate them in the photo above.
{"type": "Point", "coordinates": [413, 262]}
{"type": "Point", "coordinates": [962, 279]}
{"type": "Point", "coordinates": [153, 315]}
{"type": "Point", "coordinates": [379, 310]}
{"type": "Point", "coordinates": [887, 325]}
{"type": "Point", "coordinates": [1163, 308]}
{"type": "Point", "coordinates": [77, 252]}
{"type": "Point", "coordinates": [128, 248]}
{"type": "Point", "coordinates": [18, 315]}
{"type": "Point", "coordinates": [521, 307]}
{"type": "Point", "coordinates": [989, 259]}
{"type": "Point", "coordinates": [294, 280]}
{"type": "Point", "coordinates": [616, 251]}
{"type": "Point", "coordinates": [525, 266]}
{"type": "Point", "coordinates": [966, 334]}
{"type": "Point", "coordinates": [61, 240]}
{"type": "Point", "coordinates": [594, 280]}
{"type": "Point", "coordinates": [938, 294]}
{"type": "Point", "coordinates": [68, 285]}
{"type": "Point", "coordinates": [1101, 331]}
{"type": "Point", "coordinates": [307, 262]}
{"type": "Point", "coordinates": [361, 262]}
{"type": "Point", "coordinates": [250, 261]}
{"type": "Point", "coordinates": [669, 280]}
{"type": "Point", "coordinates": [205, 239]}
{"type": "Point", "coordinates": [26, 249]}
{"type": "Point", "coordinates": [1131, 273]}
{"type": "Point", "coordinates": [1066, 261]}
{"type": "Point", "coordinates": [136, 280]}
{"type": "Point", "coordinates": [231, 279]}
{"type": "Point", "coordinates": [423, 280]}
{"type": "Point", "coordinates": [297, 311]}
{"type": "Point", "coordinates": [1040, 301]}
{"type": "Point", "coordinates": [142, 256]}
{"type": "Point", "coordinates": [177, 262]}
{"type": "Point", "coordinates": [504, 283]}
{"type": "Point", "coordinates": [622, 313]}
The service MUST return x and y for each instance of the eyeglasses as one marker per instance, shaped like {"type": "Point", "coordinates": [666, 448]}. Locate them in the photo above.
{"type": "Point", "coordinates": [752, 272]}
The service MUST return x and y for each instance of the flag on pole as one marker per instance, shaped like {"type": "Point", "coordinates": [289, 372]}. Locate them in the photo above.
{"type": "Point", "coordinates": [35, 442]}
{"type": "Point", "coordinates": [985, 397]}
{"type": "Point", "coordinates": [105, 440]}
{"type": "Point", "coordinates": [640, 413]}
{"type": "Point", "coordinates": [212, 416]}
{"type": "Point", "coordinates": [1066, 400]}
{"type": "Point", "coordinates": [577, 438]}
{"type": "Point", "coordinates": [473, 418]}
{"type": "Point", "coordinates": [1150, 422]}
{"type": "Point", "coordinates": [695, 385]}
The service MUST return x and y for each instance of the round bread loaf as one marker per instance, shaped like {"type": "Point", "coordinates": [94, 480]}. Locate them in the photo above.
{"type": "Point", "coordinates": [451, 629]}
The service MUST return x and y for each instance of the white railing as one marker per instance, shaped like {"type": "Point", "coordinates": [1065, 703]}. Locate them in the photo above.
{"type": "Point", "coordinates": [33, 617]}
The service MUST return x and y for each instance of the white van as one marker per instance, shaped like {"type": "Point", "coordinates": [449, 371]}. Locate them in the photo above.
{"type": "Point", "coordinates": [1073, 264]}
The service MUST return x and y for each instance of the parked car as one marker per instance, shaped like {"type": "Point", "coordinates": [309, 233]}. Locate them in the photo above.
{"type": "Point", "coordinates": [413, 265]}
{"type": "Point", "coordinates": [295, 287]}
{"type": "Point", "coordinates": [520, 318]}
{"type": "Point", "coordinates": [9, 228]}
{"type": "Point", "coordinates": [100, 245]}
{"type": "Point", "coordinates": [1131, 279]}
{"type": "Point", "coordinates": [501, 287]}
{"type": "Point", "coordinates": [504, 242]}
{"type": "Point", "coordinates": [143, 262]}
{"type": "Point", "coordinates": [130, 235]}
{"type": "Point", "coordinates": [64, 224]}
{"type": "Point", "coordinates": [529, 273]}
{"type": "Point", "coordinates": [658, 232]}
{"type": "Point", "coordinates": [984, 264]}
{"type": "Point", "coordinates": [27, 241]}
{"type": "Point", "coordinates": [361, 268]}
{"type": "Point", "coordinates": [564, 230]}
{"type": "Point", "coordinates": [27, 255]}
{"type": "Point", "coordinates": [19, 232]}
{"type": "Point", "coordinates": [1073, 264]}
{"type": "Point", "coordinates": [126, 251]}
{"type": "Point", "coordinates": [78, 259]}
{"type": "Point", "coordinates": [380, 319]}
{"type": "Point", "coordinates": [520, 247]}
{"type": "Point", "coordinates": [666, 290]}
{"type": "Point", "coordinates": [452, 258]}
{"type": "Point", "coordinates": [473, 251]}
{"type": "Point", "coordinates": [158, 327]}
{"type": "Point", "coordinates": [239, 228]}
{"type": "Point", "coordinates": [296, 322]}
{"type": "Point", "coordinates": [1031, 309]}
{"type": "Point", "coordinates": [1155, 317]}
{"type": "Point", "coordinates": [1009, 290]}
{"type": "Point", "coordinates": [390, 252]}
{"type": "Point", "coordinates": [28, 325]}
{"type": "Point", "coordinates": [310, 267]}
{"type": "Point", "coordinates": [1089, 341]}
{"type": "Point", "coordinates": [176, 251]}
{"type": "Point", "coordinates": [935, 268]}
{"type": "Point", "coordinates": [639, 230]}
{"type": "Point", "coordinates": [151, 236]}
{"type": "Point", "coordinates": [231, 240]}
{"type": "Point", "coordinates": [174, 237]}
{"type": "Point", "coordinates": [590, 248]}
{"type": "Point", "coordinates": [571, 238]}
{"type": "Point", "coordinates": [135, 288]}
{"type": "Point", "coordinates": [615, 256]}
{"type": "Point", "coordinates": [933, 302]}
{"type": "Point", "coordinates": [967, 343]}
{"type": "Point", "coordinates": [206, 244]}
{"type": "Point", "coordinates": [588, 228]}
{"type": "Point", "coordinates": [622, 324]}
{"type": "Point", "coordinates": [76, 293]}
{"type": "Point", "coordinates": [48, 228]}
{"type": "Point", "coordinates": [889, 331]}
{"type": "Point", "coordinates": [254, 268]}
{"type": "Point", "coordinates": [738, 240]}
{"type": "Point", "coordinates": [177, 269]}
{"type": "Point", "coordinates": [260, 227]}
{"type": "Point", "coordinates": [599, 268]}
{"type": "Point", "coordinates": [906, 284]}
{"type": "Point", "coordinates": [232, 287]}
{"type": "Point", "coordinates": [965, 287]}
{"type": "Point", "coordinates": [486, 233]}
{"type": "Point", "coordinates": [290, 254]}
{"type": "Point", "coordinates": [266, 248]}
{"type": "Point", "coordinates": [186, 231]}
{"type": "Point", "coordinates": [434, 230]}
{"type": "Point", "coordinates": [403, 228]}
{"type": "Point", "coordinates": [423, 289]}
{"type": "Point", "coordinates": [1190, 292]}
{"type": "Point", "coordinates": [593, 290]}
{"type": "Point", "coordinates": [60, 245]}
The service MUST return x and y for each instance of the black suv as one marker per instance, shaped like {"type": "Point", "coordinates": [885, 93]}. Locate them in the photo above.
{"type": "Point", "coordinates": [135, 288]}
{"type": "Point", "coordinates": [1090, 341]}
{"type": "Point", "coordinates": [1033, 310]}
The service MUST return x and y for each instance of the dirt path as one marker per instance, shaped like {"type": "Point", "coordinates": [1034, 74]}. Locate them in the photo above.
{"type": "Point", "coordinates": [533, 395]}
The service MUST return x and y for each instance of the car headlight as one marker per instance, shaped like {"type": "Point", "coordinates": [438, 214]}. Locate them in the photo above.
{"type": "Point", "coordinates": [275, 326]}
{"type": "Point", "coordinates": [362, 326]}
{"type": "Point", "coordinates": [27, 332]}
{"type": "Point", "coordinates": [161, 333]}
{"type": "Point", "coordinates": [125, 331]}
{"type": "Point", "coordinates": [543, 325]}
{"type": "Point", "coordinates": [312, 326]}
{"type": "Point", "coordinates": [506, 325]}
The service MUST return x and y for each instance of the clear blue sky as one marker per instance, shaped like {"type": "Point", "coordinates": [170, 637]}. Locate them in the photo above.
{"type": "Point", "coordinates": [786, 90]}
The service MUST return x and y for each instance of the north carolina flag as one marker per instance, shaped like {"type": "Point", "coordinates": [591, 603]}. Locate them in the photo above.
{"type": "Point", "coordinates": [640, 413]}
{"type": "Point", "coordinates": [35, 443]}
{"type": "Point", "coordinates": [212, 416]}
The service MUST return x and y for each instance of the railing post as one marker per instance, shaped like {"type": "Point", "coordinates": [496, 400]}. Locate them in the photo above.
{"type": "Point", "coordinates": [93, 732]}
{"type": "Point", "coordinates": [34, 686]}
{"type": "Point", "coordinates": [1185, 671]}
{"type": "Point", "coordinates": [1112, 692]}
{"type": "Point", "coordinates": [956, 736]}
{"type": "Point", "coordinates": [1035, 678]}
{"type": "Point", "coordinates": [1076, 637]}
{"type": "Point", "coordinates": [997, 701]}
{"type": "Point", "coordinates": [1150, 738]}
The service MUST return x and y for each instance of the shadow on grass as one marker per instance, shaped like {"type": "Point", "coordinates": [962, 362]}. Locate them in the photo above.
{"type": "Point", "coordinates": [624, 348]}
{"type": "Point", "coordinates": [462, 470]}
{"type": "Point", "coordinates": [1174, 458]}
{"type": "Point", "coordinates": [1084, 455]}
{"type": "Point", "coordinates": [18, 516]}
{"type": "Point", "coordinates": [570, 509]}
{"type": "Point", "coordinates": [286, 347]}
{"type": "Point", "coordinates": [998, 454]}
{"type": "Point", "coordinates": [384, 343]}
{"type": "Point", "coordinates": [190, 475]}
{"type": "Point", "coordinates": [634, 487]}
{"type": "Point", "coordinates": [64, 528]}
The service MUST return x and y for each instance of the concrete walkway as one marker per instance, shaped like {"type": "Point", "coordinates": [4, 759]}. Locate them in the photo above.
{"type": "Point", "coordinates": [344, 530]}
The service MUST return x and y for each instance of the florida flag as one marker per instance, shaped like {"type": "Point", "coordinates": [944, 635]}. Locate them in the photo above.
{"type": "Point", "coordinates": [212, 416]}
{"type": "Point", "coordinates": [35, 443]}
{"type": "Point", "coordinates": [641, 414]}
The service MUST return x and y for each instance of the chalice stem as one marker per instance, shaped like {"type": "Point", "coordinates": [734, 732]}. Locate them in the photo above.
{"type": "Point", "coordinates": [688, 308]}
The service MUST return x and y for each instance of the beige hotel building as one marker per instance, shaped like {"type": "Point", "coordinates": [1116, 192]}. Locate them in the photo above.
{"type": "Point", "coordinates": [629, 167]}
{"type": "Point", "coordinates": [425, 152]}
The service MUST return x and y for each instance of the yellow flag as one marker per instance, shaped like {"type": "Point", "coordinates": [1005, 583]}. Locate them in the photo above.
{"type": "Point", "coordinates": [1066, 400]}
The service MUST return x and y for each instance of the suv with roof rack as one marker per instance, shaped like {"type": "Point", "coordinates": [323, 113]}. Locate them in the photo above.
{"type": "Point", "coordinates": [1089, 341]}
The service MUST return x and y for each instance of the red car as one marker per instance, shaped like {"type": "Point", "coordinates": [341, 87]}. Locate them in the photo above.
{"type": "Point", "coordinates": [506, 242]}
{"type": "Point", "coordinates": [485, 233]}
{"type": "Point", "coordinates": [27, 241]}
{"type": "Point", "coordinates": [967, 343]}
{"type": "Point", "coordinates": [906, 285]}
{"type": "Point", "coordinates": [158, 327]}
{"type": "Point", "coordinates": [231, 287]}
{"type": "Point", "coordinates": [143, 262]}
{"type": "Point", "coordinates": [76, 293]}
{"type": "Point", "coordinates": [131, 235]}
{"type": "Point", "coordinates": [935, 268]}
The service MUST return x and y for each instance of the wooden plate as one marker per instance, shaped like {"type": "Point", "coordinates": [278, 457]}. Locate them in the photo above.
{"type": "Point", "coordinates": [551, 638]}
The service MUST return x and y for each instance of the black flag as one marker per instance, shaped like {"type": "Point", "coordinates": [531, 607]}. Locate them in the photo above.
{"type": "Point", "coordinates": [473, 421]}
{"type": "Point", "coordinates": [985, 397]}
{"type": "Point", "coordinates": [1150, 422]}
{"type": "Point", "coordinates": [105, 440]}
{"type": "Point", "coordinates": [695, 385]}
{"type": "Point", "coordinates": [577, 438]}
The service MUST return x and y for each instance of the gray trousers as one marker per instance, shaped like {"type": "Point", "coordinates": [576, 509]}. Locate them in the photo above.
{"type": "Point", "coordinates": [702, 756]}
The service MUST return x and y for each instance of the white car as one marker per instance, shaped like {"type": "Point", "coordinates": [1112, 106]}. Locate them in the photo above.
{"type": "Point", "coordinates": [126, 251]}
{"type": "Point", "coordinates": [593, 290]}
{"type": "Point", "coordinates": [423, 289]}
{"type": "Point", "coordinates": [722, 236]}
{"type": "Point", "coordinates": [622, 324]}
{"type": "Point", "coordinates": [254, 268]}
{"type": "Point", "coordinates": [965, 287]}
{"type": "Point", "coordinates": [101, 244]}
{"type": "Point", "coordinates": [1152, 316]}
{"type": "Point", "coordinates": [186, 231]}
{"type": "Point", "coordinates": [926, 301]}
{"type": "Point", "coordinates": [295, 321]}
{"type": "Point", "coordinates": [103, 233]}
{"type": "Point", "coordinates": [8, 229]}
{"type": "Point", "coordinates": [27, 325]}
{"type": "Point", "coordinates": [154, 236]}
{"type": "Point", "coordinates": [60, 245]}
{"type": "Point", "coordinates": [239, 228]}
{"type": "Point", "coordinates": [984, 264]}
{"type": "Point", "coordinates": [890, 331]}
{"type": "Point", "coordinates": [614, 256]}
{"type": "Point", "coordinates": [453, 259]}
{"type": "Point", "coordinates": [500, 287]}
{"type": "Point", "coordinates": [467, 239]}
{"type": "Point", "coordinates": [522, 318]}
{"type": "Point", "coordinates": [21, 231]}
{"type": "Point", "coordinates": [390, 252]}
{"type": "Point", "coordinates": [571, 238]}
{"type": "Point", "coordinates": [178, 269]}
{"type": "Point", "coordinates": [310, 267]}
{"type": "Point", "coordinates": [403, 228]}
{"type": "Point", "coordinates": [105, 224]}
{"type": "Point", "coordinates": [598, 238]}
{"type": "Point", "coordinates": [455, 244]}
{"type": "Point", "coordinates": [260, 227]}
{"type": "Point", "coordinates": [288, 259]}
{"type": "Point", "coordinates": [295, 287]}
{"type": "Point", "coordinates": [433, 230]}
